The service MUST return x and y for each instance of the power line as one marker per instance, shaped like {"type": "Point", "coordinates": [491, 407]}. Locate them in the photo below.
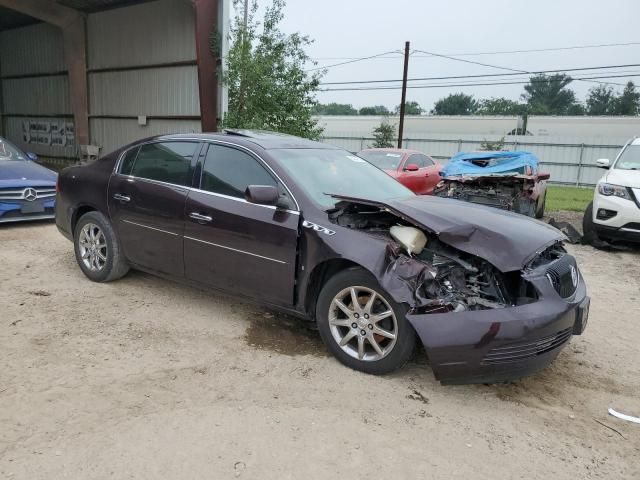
{"type": "Point", "coordinates": [451, 85]}
{"type": "Point", "coordinates": [500, 52]}
{"type": "Point", "coordinates": [602, 67]}
{"type": "Point", "coordinates": [351, 61]}
{"type": "Point", "coordinates": [492, 66]}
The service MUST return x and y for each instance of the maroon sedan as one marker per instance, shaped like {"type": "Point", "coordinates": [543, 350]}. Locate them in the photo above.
{"type": "Point", "coordinates": [315, 231]}
{"type": "Point", "coordinates": [418, 172]}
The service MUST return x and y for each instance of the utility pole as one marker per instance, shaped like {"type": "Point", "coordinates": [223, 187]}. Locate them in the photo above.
{"type": "Point", "coordinates": [246, 13]}
{"type": "Point", "coordinates": [404, 93]}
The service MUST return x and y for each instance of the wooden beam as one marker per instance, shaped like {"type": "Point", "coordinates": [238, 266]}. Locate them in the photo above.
{"type": "Point", "coordinates": [75, 56]}
{"type": "Point", "coordinates": [72, 24]}
{"type": "Point", "coordinates": [206, 25]}
{"type": "Point", "coordinates": [45, 10]}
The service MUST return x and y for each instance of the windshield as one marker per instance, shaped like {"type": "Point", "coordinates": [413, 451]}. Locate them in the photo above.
{"type": "Point", "coordinates": [629, 158]}
{"type": "Point", "coordinates": [9, 152]}
{"type": "Point", "coordinates": [321, 172]}
{"type": "Point", "coordinates": [384, 160]}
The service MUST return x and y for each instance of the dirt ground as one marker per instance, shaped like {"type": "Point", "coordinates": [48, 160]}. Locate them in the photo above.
{"type": "Point", "coordinates": [147, 379]}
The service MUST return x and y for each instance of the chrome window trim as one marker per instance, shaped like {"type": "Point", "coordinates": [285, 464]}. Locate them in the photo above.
{"type": "Point", "coordinates": [150, 228]}
{"type": "Point", "coordinates": [206, 192]}
{"type": "Point", "coordinates": [116, 171]}
{"type": "Point", "coordinates": [235, 250]}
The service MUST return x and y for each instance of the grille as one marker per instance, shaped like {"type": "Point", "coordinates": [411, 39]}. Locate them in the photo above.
{"type": "Point", "coordinates": [516, 352]}
{"type": "Point", "coordinates": [563, 275]}
{"type": "Point", "coordinates": [19, 193]}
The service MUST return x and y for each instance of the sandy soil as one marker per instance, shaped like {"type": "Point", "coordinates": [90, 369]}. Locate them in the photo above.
{"type": "Point", "coordinates": [143, 378]}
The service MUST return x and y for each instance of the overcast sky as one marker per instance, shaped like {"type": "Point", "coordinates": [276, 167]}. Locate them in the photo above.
{"type": "Point", "coordinates": [360, 28]}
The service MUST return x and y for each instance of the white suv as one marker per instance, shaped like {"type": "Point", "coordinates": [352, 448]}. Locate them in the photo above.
{"type": "Point", "coordinates": [614, 213]}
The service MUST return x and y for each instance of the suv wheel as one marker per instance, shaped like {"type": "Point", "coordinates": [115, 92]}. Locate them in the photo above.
{"type": "Point", "coordinates": [97, 249]}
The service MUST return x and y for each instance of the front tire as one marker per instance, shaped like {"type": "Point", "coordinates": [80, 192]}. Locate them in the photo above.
{"type": "Point", "coordinates": [361, 325]}
{"type": "Point", "coordinates": [97, 249]}
{"type": "Point", "coordinates": [589, 233]}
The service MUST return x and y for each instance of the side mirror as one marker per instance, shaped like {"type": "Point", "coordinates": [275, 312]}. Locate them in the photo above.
{"type": "Point", "coordinates": [603, 163]}
{"type": "Point", "coordinates": [262, 194]}
{"type": "Point", "coordinates": [544, 176]}
{"type": "Point", "coordinates": [411, 167]}
{"type": "Point", "coordinates": [32, 156]}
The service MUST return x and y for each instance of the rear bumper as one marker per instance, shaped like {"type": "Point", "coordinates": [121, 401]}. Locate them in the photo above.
{"type": "Point", "coordinates": [489, 346]}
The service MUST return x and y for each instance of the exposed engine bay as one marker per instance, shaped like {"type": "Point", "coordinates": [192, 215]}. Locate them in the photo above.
{"type": "Point", "coordinates": [508, 192]}
{"type": "Point", "coordinates": [429, 275]}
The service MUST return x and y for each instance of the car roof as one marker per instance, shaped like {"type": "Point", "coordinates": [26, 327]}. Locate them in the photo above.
{"type": "Point", "coordinates": [404, 151]}
{"type": "Point", "coordinates": [266, 140]}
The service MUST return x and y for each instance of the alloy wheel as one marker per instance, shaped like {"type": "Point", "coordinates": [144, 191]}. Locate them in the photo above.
{"type": "Point", "coordinates": [363, 323]}
{"type": "Point", "coordinates": [93, 247]}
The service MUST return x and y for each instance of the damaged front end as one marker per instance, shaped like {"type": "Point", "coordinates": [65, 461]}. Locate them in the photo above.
{"type": "Point", "coordinates": [486, 306]}
{"type": "Point", "coordinates": [428, 275]}
{"type": "Point", "coordinates": [516, 193]}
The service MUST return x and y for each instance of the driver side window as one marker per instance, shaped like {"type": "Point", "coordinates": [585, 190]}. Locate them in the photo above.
{"type": "Point", "coordinates": [229, 171]}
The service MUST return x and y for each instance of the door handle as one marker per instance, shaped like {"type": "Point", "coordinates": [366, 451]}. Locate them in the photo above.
{"type": "Point", "coordinates": [199, 217]}
{"type": "Point", "coordinates": [122, 198]}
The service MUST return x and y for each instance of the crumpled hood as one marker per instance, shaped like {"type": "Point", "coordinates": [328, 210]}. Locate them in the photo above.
{"type": "Point", "coordinates": [505, 239]}
{"type": "Point", "coordinates": [17, 173]}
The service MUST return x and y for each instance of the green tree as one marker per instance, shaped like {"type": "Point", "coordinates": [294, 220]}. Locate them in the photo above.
{"type": "Point", "coordinates": [455, 104]}
{"type": "Point", "coordinates": [268, 86]}
{"type": "Point", "coordinates": [628, 103]}
{"type": "Point", "coordinates": [410, 108]}
{"type": "Point", "coordinates": [601, 100]}
{"type": "Point", "coordinates": [488, 145]}
{"type": "Point", "coordinates": [500, 106]}
{"type": "Point", "coordinates": [374, 110]}
{"type": "Point", "coordinates": [549, 95]}
{"type": "Point", "coordinates": [334, 109]}
{"type": "Point", "coordinates": [384, 135]}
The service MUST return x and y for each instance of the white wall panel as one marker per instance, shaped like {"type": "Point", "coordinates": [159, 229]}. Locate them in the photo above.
{"type": "Point", "coordinates": [111, 134]}
{"type": "Point", "coordinates": [32, 49]}
{"type": "Point", "coordinates": [36, 96]}
{"type": "Point", "coordinates": [145, 34]}
{"type": "Point", "coordinates": [157, 91]}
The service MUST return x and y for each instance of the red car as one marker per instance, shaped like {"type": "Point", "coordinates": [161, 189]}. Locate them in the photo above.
{"type": "Point", "coordinates": [415, 170]}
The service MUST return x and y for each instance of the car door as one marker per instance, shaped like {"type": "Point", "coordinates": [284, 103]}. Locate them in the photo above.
{"type": "Point", "coordinates": [234, 245]}
{"type": "Point", "coordinates": [431, 174]}
{"type": "Point", "coordinates": [146, 203]}
{"type": "Point", "coordinates": [415, 180]}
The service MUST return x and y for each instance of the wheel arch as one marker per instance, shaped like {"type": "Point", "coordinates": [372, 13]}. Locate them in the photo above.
{"type": "Point", "coordinates": [78, 212]}
{"type": "Point", "coordinates": [320, 274]}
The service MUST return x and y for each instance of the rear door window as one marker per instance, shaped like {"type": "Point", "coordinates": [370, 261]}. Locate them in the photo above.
{"type": "Point", "coordinates": [168, 162]}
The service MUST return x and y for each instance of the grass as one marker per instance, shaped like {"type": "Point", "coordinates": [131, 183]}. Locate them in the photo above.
{"type": "Point", "coordinates": [574, 199]}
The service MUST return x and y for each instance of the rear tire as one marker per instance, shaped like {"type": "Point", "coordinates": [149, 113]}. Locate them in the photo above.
{"type": "Point", "coordinates": [360, 334]}
{"type": "Point", "coordinates": [97, 249]}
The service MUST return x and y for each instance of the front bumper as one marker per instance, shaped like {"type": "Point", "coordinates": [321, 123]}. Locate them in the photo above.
{"type": "Point", "coordinates": [498, 345]}
{"type": "Point", "coordinates": [23, 210]}
{"type": "Point", "coordinates": [624, 224]}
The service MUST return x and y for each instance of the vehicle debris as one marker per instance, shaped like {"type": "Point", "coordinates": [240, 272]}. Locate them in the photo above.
{"type": "Point", "coordinates": [569, 230]}
{"type": "Point", "coordinates": [623, 416]}
{"type": "Point", "coordinates": [506, 180]}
